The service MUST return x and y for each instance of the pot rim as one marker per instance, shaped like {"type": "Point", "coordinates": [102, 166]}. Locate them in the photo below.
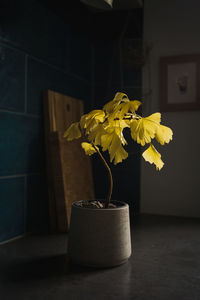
{"type": "Point", "coordinates": [124, 205]}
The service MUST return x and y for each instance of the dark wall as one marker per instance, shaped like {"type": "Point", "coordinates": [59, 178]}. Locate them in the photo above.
{"type": "Point", "coordinates": [117, 51]}
{"type": "Point", "coordinates": [71, 50]}
{"type": "Point", "coordinates": [38, 51]}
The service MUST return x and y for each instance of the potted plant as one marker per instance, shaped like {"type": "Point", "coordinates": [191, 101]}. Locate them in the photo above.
{"type": "Point", "coordinates": [99, 232]}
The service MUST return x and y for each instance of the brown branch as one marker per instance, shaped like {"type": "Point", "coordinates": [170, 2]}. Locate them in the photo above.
{"type": "Point", "coordinates": [108, 199]}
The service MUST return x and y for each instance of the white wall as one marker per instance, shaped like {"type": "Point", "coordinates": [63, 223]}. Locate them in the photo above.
{"type": "Point", "coordinates": [172, 27]}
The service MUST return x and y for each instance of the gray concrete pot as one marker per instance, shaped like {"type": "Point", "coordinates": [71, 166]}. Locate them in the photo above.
{"type": "Point", "coordinates": [99, 237]}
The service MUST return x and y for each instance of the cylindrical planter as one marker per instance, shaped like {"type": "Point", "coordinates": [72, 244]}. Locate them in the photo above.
{"type": "Point", "coordinates": [99, 237]}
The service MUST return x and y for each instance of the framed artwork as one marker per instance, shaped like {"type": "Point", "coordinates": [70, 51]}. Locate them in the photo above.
{"type": "Point", "coordinates": [180, 83]}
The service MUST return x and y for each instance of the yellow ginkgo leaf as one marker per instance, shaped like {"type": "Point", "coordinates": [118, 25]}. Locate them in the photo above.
{"type": "Point", "coordinates": [83, 121]}
{"type": "Point", "coordinates": [156, 117]}
{"type": "Point", "coordinates": [163, 134]}
{"type": "Point", "coordinates": [120, 96]}
{"type": "Point", "coordinates": [92, 119]}
{"type": "Point", "coordinates": [115, 128]}
{"type": "Point", "coordinates": [111, 105]}
{"type": "Point", "coordinates": [88, 148]}
{"type": "Point", "coordinates": [113, 144]}
{"type": "Point", "coordinates": [96, 114]}
{"type": "Point", "coordinates": [126, 107]}
{"type": "Point", "coordinates": [106, 140]}
{"type": "Point", "coordinates": [119, 155]}
{"type": "Point", "coordinates": [116, 124]}
{"type": "Point", "coordinates": [116, 150]}
{"type": "Point", "coordinates": [153, 157]}
{"type": "Point", "coordinates": [73, 132]}
{"type": "Point", "coordinates": [144, 129]}
{"type": "Point", "coordinates": [95, 134]}
{"type": "Point", "coordinates": [119, 133]}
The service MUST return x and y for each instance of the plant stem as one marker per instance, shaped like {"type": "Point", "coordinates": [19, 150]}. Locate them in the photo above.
{"type": "Point", "coordinates": [108, 199]}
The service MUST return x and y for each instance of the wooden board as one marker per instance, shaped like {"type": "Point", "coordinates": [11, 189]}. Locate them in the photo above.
{"type": "Point", "coordinates": [47, 98]}
{"type": "Point", "coordinates": [73, 179]}
{"type": "Point", "coordinates": [71, 172]}
{"type": "Point", "coordinates": [63, 110]}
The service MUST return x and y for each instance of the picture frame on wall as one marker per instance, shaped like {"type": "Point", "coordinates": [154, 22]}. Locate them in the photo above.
{"type": "Point", "coordinates": [180, 83]}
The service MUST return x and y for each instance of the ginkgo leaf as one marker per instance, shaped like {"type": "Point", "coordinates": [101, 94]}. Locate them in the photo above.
{"type": "Point", "coordinates": [156, 117]}
{"type": "Point", "coordinates": [92, 119]}
{"type": "Point", "coordinates": [88, 148]}
{"type": "Point", "coordinates": [153, 157]}
{"type": "Point", "coordinates": [106, 141]}
{"type": "Point", "coordinates": [83, 121]}
{"type": "Point", "coordinates": [95, 134]}
{"type": "Point", "coordinates": [120, 96]}
{"type": "Point", "coordinates": [113, 144]}
{"type": "Point", "coordinates": [119, 133]}
{"type": "Point", "coordinates": [144, 129]}
{"type": "Point", "coordinates": [126, 107]}
{"type": "Point", "coordinates": [123, 124]}
{"type": "Point", "coordinates": [163, 134]}
{"type": "Point", "coordinates": [96, 114]}
{"type": "Point", "coordinates": [73, 132]}
{"type": "Point", "coordinates": [116, 124]}
{"type": "Point", "coordinates": [116, 127]}
{"type": "Point", "coordinates": [120, 155]}
{"type": "Point", "coordinates": [111, 105]}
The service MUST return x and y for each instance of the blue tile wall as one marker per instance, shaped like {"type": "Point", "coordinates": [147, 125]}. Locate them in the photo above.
{"type": "Point", "coordinates": [79, 55]}
{"type": "Point", "coordinates": [30, 26]}
{"type": "Point", "coordinates": [20, 144]}
{"type": "Point", "coordinates": [56, 48]}
{"type": "Point", "coordinates": [104, 93]}
{"type": "Point", "coordinates": [105, 61]}
{"type": "Point", "coordinates": [11, 208]}
{"type": "Point", "coordinates": [12, 79]}
{"type": "Point", "coordinates": [132, 77]}
{"type": "Point", "coordinates": [133, 92]}
{"type": "Point", "coordinates": [42, 76]}
{"type": "Point", "coordinates": [100, 95]}
{"type": "Point", "coordinates": [38, 51]}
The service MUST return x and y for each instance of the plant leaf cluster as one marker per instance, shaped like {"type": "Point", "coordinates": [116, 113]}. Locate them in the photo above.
{"type": "Point", "coordinates": [104, 129]}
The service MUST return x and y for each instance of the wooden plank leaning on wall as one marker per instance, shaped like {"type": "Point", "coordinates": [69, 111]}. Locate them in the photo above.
{"type": "Point", "coordinates": [69, 171]}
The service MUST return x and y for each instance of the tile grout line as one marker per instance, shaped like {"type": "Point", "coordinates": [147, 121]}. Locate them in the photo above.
{"type": "Point", "coordinates": [25, 203]}
{"type": "Point", "coordinates": [20, 113]}
{"type": "Point", "coordinates": [132, 86]}
{"type": "Point", "coordinates": [92, 79]}
{"type": "Point", "coordinates": [57, 68]}
{"type": "Point", "coordinates": [68, 49]}
{"type": "Point", "coordinates": [98, 84]}
{"type": "Point", "coordinates": [19, 175]}
{"type": "Point", "coordinates": [25, 83]}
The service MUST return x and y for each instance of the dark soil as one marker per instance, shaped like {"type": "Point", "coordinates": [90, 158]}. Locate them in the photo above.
{"type": "Point", "coordinates": [94, 204]}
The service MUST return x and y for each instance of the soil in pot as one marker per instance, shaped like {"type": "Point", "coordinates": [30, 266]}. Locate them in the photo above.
{"type": "Point", "coordinates": [94, 204]}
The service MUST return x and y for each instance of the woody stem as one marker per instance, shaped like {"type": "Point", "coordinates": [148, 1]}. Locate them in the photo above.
{"type": "Point", "coordinates": [108, 199]}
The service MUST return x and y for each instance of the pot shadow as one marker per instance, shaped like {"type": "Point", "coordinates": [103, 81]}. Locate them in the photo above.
{"type": "Point", "coordinates": [45, 268]}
